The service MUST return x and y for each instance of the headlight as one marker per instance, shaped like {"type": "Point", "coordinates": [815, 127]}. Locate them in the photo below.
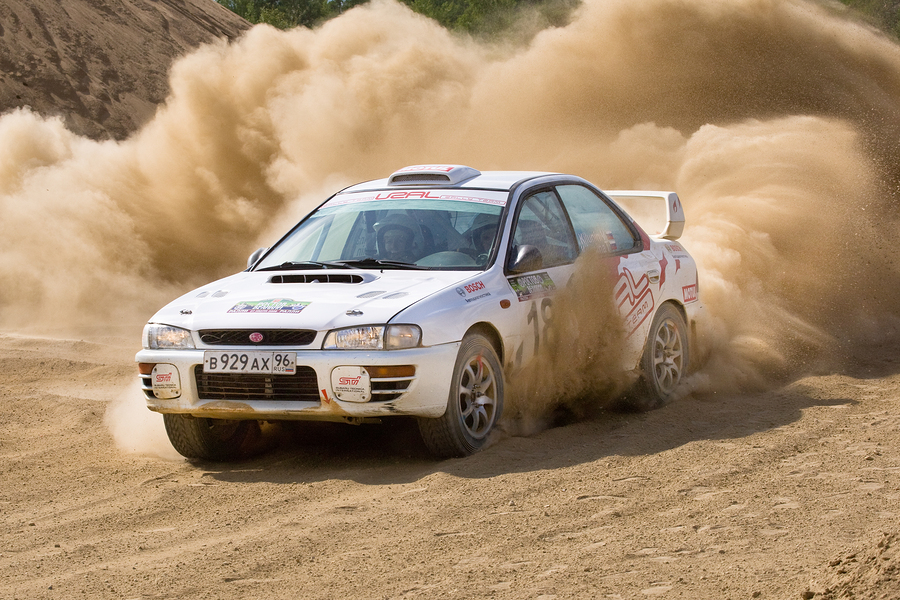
{"type": "Point", "coordinates": [402, 336]}
{"type": "Point", "coordinates": [166, 337]}
{"type": "Point", "coordinates": [373, 337]}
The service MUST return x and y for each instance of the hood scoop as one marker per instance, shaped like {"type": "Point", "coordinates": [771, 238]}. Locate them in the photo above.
{"type": "Point", "coordinates": [317, 278]}
{"type": "Point", "coordinates": [432, 174]}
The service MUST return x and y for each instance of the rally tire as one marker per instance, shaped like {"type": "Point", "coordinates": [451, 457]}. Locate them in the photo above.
{"type": "Point", "coordinates": [207, 439]}
{"type": "Point", "coordinates": [474, 405]}
{"type": "Point", "coordinates": [664, 363]}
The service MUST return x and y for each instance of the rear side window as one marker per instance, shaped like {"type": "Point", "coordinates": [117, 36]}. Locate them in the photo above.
{"type": "Point", "coordinates": [595, 222]}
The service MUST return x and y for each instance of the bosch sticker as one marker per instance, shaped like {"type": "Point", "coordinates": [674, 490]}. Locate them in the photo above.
{"type": "Point", "coordinates": [473, 288]}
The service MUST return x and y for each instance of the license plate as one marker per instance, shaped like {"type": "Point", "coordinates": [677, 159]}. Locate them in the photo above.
{"type": "Point", "coordinates": [278, 363]}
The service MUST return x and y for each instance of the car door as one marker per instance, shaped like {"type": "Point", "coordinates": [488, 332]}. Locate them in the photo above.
{"type": "Point", "coordinates": [599, 223]}
{"type": "Point", "coordinates": [540, 260]}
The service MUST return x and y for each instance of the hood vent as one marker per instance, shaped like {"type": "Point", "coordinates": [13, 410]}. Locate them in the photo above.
{"type": "Point", "coordinates": [425, 178]}
{"type": "Point", "coordinates": [432, 175]}
{"type": "Point", "coordinates": [317, 278]}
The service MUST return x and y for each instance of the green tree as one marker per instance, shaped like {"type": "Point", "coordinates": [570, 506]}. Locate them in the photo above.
{"type": "Point", "coordinates": [286, 14]}
{"type": "Point", "coordinates": [881, 13]}
{"type": "Point", "coordinates": [479, 17]}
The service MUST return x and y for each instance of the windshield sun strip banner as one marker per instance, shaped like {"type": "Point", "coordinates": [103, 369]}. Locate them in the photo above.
{"type": "Point", "coordinates": [475, 196]}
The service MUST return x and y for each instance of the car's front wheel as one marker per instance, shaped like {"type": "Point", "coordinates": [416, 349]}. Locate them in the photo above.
{"type": "Point", "coordinates": [474, 404]}
{"type": "Point", "coordinates": [664, 363]}
{"type": "Point", "coordinates": [207, 439]}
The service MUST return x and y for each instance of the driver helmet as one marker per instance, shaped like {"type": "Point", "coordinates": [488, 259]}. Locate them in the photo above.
{"type": "Point", "coordinates": [398, 237]}
{"type": "Point", "coordinates": [483, 231]}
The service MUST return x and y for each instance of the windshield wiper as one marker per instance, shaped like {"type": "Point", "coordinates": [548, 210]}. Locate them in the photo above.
{"type": "Point", "coordinates": [289, 265]}
{"type": "Point", "coordinates": [378, 263]}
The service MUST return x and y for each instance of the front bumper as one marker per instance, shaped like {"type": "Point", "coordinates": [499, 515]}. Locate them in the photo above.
{"type": "Point", "coordinates": [271, 397]}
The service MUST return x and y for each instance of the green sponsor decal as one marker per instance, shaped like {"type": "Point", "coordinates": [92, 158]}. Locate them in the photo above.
{"type": "Point", "coordinates": [532, 286]}
{"type": "Point", "coordinates": [274, 305]}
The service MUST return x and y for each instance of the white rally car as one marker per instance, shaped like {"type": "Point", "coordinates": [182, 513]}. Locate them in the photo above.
{"type": "Point", "coordinates": [412, 295]}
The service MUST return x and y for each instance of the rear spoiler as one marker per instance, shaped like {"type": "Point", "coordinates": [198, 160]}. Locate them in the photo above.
{"type": "Point", "coordinates": [674, 211]}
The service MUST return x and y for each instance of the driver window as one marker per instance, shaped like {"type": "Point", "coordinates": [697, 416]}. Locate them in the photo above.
{"type": "Point", "coordinates": [543, 224]}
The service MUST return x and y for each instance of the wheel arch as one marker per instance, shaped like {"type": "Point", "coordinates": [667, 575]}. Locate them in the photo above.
{"type": "Point", "coordinates": [691, 325]}
{"type": "Point", "coordinates": [679, 306]}
{"type": "Point", "coordinates": [490, 332]}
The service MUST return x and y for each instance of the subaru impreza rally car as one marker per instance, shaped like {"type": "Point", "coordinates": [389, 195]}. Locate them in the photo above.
{"type": "Point", "coordinates": [413, 295]}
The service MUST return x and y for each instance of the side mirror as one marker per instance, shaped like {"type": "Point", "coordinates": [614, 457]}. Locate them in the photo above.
{"type": "Point", "coordinates": [526, 258]}
{"type": "Point", "coordinates": [255, 257]}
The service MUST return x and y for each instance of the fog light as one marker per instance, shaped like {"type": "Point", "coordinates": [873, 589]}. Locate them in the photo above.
{"type": "Point", "coordinates": [146, 368]}
{"type": "Point", "coordinates": [392, 371]}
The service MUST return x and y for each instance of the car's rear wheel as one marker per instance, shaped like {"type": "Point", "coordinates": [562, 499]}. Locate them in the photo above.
{"type": "Point", "coordinates": [664, 363]}
{"type": "Point", "coordinates": [207, 439]}
{"type": "Point", "coordinates": [474, 404]}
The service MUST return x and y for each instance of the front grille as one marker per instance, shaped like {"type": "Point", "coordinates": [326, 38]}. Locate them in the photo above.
{"type": "Point", "coordinates": [300, 387]}
{"type": "Point", "coordinates": [270, 337]}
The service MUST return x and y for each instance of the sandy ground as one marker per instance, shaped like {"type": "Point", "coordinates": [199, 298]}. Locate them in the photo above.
{"type": "Point", "coordinates": [788, 494]}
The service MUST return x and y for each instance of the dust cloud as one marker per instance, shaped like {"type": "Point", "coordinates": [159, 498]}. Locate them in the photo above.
{"type": "Point", "coordinates": [577, 370]}
{"type": "Point", "coordinates": [777, 121]}
{"type": "Point", "coordinates": [135, 429]}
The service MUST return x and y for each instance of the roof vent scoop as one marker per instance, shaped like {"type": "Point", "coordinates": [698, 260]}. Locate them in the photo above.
{"type": "Point", "coordinates": [432, 175]}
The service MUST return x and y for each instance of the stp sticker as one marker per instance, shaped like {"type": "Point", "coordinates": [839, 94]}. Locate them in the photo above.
{"type": "Point", "coordinates": [166, 381]}
{"type": "Point", "coordinates": [351, 384]}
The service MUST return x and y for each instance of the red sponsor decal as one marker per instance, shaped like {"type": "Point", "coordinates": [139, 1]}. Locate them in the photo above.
{"type": "Point", "coordinates": [474, 287]}
{"type": "Point", "coordinates": [163, 377]}
{"type": "Point", "coordinates": [325, 396]}
{"type": "Point", "coordinates": [690, 292]}
{"type": "Point", "coordinates": [639, 313]}
{"type": "Point", "coordinates": [439, 168]}
{"type": "Point", "coordinates": [349, 380]}
{"type": "Point", "coordinates": [410, 194]}
{"type": "Point", "coordinates": [663, 263]}
{"type": "Point", "coordinates": [634, 299]}
{"type": "Point", "coordinates": [611, 240]}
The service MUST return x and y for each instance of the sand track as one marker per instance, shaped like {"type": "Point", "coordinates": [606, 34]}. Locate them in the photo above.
{"type": "Point", "coordinates": [763, 495]}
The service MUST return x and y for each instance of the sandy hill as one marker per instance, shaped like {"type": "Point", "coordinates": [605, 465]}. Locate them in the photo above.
{"type": "Point", "coordinates": [100, 64]}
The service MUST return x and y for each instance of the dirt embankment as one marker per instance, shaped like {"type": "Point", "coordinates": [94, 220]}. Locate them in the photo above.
{"type": "Point", "coordinates": [101, 65]}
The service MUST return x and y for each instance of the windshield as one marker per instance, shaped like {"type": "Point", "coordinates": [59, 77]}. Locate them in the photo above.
{"type": "Point", "coordinates": [433, 229]}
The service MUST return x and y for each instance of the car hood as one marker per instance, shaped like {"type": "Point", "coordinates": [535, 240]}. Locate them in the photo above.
{"type": "Point", "coordinates": [319, 300]}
